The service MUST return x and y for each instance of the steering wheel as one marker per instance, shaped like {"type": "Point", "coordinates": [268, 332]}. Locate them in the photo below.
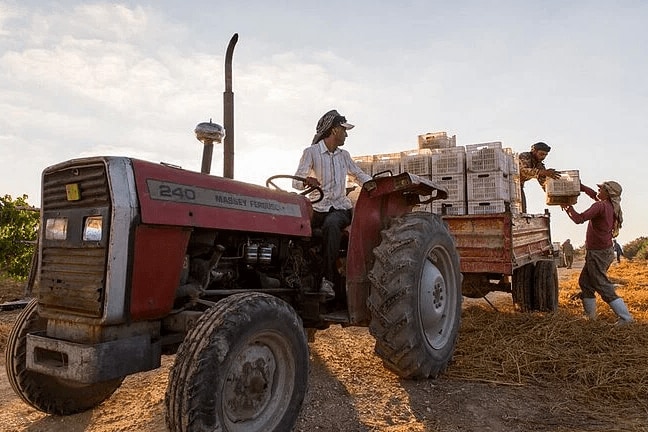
{"type": "Point", "coordinates": [319, 196]}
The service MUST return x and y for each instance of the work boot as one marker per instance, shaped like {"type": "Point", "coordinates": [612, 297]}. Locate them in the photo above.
{"type": "Point", "coordinates": [589, 306]}
{"type": "Point", "coordinates": [326, 289]}
{"type": "Point", "coordinates": [620, 308]}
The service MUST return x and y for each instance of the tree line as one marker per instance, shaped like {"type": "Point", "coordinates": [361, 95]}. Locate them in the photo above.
{"type": "Point", "coordinates": [18, 234]}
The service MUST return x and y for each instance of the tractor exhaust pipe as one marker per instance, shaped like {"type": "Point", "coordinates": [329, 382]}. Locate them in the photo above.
{"type": "Point", "coordinates": [228, 112]}
{"type": "Point", "coordinates": [208, 133]}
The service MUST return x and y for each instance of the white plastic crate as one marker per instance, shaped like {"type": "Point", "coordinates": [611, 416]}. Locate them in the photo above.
{"type": "Point", "coordinates": [516, 206]}
{"type": "Point", "coordinates": [436, 140]}
{"type": "Point", "coordinates": [486, 157]}
{"type": "Point", "coordinates": [448, 161]}
{"type": "Point", "coordinates": [365, 163]}
{"type": "Point", "coordinates": [515, 189]}
{"type": "Point", "coordinates": [486, 207]}
{"type": "Point", "coordinates": [416, 162]}
{"type": "Point", "coordinates": [512, 161]}
{"type": "Point", "coordinates": [386, 162]}
{"type": "Point", "coordinates": [488, 186]}
{"type": "Point", "coordinates": [454, 183]}
{"type": "Point", "coordinates": [563, 191]}
{"type": "Point", "coordinates": [567, 185]}
{"type": "Point", "coordinates": [454, 208]}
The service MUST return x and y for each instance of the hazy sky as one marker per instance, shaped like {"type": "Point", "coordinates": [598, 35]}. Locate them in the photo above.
{"type": "Point", "coordinates": [134, 78]}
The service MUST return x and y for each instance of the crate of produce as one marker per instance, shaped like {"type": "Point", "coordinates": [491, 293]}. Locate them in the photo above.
{"type": "Point", "coordinates": [487, 207]}
{"type": "Point", "coordinates": [448, 161]}
{"type": "Point", "coordinates": [454, 208]}
{"type": "Point", "coordinates": [416, 162]}
{"type": "Point", "coordinates": [564, 190]}
{"type": "Point", "coordinates": [486, 157]}
{"type": "Point", "coordinates": [454, 183]}
{"type": "Point", "coordinates": [384, 163]}
{"type": "Point", "coordinates": [567, 185]}
{"type": "Point", "coordinates": [486, 186]}
{"type": "Point", "coordinates": [436, 140]}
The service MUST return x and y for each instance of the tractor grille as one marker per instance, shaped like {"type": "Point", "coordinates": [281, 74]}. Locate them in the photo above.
{"type": "Point", "coordinates": [72, 280]}
{"type": "Point", "coordinates": [72, 272]}
{"type": "Point", "coordinates": [93, 187]}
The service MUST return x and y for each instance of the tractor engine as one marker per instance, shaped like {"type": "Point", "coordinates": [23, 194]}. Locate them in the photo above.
{"type": "Point", "coordinates": [218, 263]}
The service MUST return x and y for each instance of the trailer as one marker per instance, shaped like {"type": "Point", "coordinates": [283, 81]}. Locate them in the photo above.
{"type": "Point", "coordinates": [508, 252]}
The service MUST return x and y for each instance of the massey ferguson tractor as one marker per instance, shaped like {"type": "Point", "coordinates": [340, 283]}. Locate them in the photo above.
{"type": "Point", "coordinates": [137, 260]}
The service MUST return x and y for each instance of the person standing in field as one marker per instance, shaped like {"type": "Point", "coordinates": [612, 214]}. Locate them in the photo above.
{"type": "Point", "coordinates": [568, 253]}
{"type": "Point", "coordinates": [618, 250]}
{"type": "Point", "coordinates": [532, 166]}
{"type": "Point", "coordinates": [605, 218]}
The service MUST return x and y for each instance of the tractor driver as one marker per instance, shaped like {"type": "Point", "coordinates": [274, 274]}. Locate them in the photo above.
{"type": "Point", "coordinates": [325, 164]}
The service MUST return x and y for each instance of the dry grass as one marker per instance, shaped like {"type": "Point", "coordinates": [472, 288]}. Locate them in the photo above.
{"type": "Point", "coordinates": [594, 362]}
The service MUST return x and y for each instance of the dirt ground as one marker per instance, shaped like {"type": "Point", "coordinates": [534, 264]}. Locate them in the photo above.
{"type": "Point", "coordinates": [349, 390]}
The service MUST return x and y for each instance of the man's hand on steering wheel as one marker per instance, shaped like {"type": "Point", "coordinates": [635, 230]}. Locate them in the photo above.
{"type": "Point", "coordinates": [311, 184]}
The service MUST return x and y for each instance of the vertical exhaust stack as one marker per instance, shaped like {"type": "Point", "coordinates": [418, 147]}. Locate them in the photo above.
{"type": "Point", "coordinates": [228, 112]}
{"type": "Point", "coordinates": [208, 133]}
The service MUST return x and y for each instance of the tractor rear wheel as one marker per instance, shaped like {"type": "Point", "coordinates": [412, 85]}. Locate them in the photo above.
{"type": "Point", "coordinates": [46, 393]}
{"type": "Point", "coordinates": [242, 367]}
{"type": "Point", "coordinates": [415, 299]}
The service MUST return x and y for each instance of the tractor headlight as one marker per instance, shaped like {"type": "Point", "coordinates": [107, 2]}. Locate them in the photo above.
{"type": "Point", "coordinates": [93, 228]}
{"type": "Point", "coordinates": [56, 229]}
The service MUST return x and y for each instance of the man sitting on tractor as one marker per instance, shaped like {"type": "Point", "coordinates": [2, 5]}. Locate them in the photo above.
{"type": "Point", "coordinates": [326, 165]}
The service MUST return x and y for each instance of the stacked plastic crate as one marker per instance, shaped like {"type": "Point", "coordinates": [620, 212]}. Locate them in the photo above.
{"type": "Point", "coordinates": [366, 164]}
{"type": "Point", "coordinates": [417, 162]}
{"type": "Point", "coordinates": [436, 140]}
{"type": "Point", "coordinates": [488, 180]}
{"type": "Point", "coordinates": [515, 189]}
{"type": "Point", "coordinates": [386, 164]}
{"type": "Point", "coordinates": [448, 168]}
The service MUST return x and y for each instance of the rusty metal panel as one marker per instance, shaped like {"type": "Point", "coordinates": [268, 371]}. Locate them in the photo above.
{"type": "Point", "coordinates": [483, 242]}
{"type": "Point", "coordinates": [498, 243]}
{"type": "Point", "coordinates": [531, 239]}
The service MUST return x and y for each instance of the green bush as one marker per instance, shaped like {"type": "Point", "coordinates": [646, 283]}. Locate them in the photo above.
{"type": "Point", "coordinates": [637, 248]}
{"type": "Point", "coordinates": [18, 233]}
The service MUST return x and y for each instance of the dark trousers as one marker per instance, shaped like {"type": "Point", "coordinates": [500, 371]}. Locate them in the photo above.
{"type": "Point", "coordinates": [331, 223]}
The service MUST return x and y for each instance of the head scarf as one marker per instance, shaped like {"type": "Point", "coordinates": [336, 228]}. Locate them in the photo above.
{"type": "Point", "coordinates": [541, 147]}
{"type": "Point", "coordinates": [614, 190]}
{"type": "Point", "coordinates": [328, 122]}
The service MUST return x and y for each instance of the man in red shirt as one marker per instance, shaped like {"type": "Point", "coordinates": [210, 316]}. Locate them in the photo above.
{"type": "Point", "coordinates": [605, 218]}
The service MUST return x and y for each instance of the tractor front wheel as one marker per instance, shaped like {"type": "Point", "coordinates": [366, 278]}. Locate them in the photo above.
{"type": "Point", "coordinates": [47, 393]}
{"type": "Point", "coordinates": [242, 367]}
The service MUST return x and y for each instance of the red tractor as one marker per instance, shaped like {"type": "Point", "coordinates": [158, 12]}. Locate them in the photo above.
{"type": "Point", "coordinates": [139, 259]}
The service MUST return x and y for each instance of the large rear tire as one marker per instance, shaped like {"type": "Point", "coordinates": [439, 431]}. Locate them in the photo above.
{"type": "Point", "coordinates": [415, 299]}
{"type": "Point", "coordinates": [242, 367]}
{"type": "Point", "coordinates": [46, 393]}
{"type": "Point", "coordinates": [545, 286]}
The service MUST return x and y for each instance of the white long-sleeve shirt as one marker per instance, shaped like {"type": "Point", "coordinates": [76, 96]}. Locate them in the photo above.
{"type": "Point", "coordinates": [331, 169]}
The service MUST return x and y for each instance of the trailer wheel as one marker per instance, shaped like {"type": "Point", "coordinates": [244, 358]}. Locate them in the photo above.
{"type": "Point", "coordinates": [415, 299]}
{"type": "Point", "coordinates": [242, 367]}
{"type": "Point", "coordinates": [546, 286]}
{"type": "Point", "coordinates": [46, 393]}
{"type": "Point", "coordinates": [522, 287]}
